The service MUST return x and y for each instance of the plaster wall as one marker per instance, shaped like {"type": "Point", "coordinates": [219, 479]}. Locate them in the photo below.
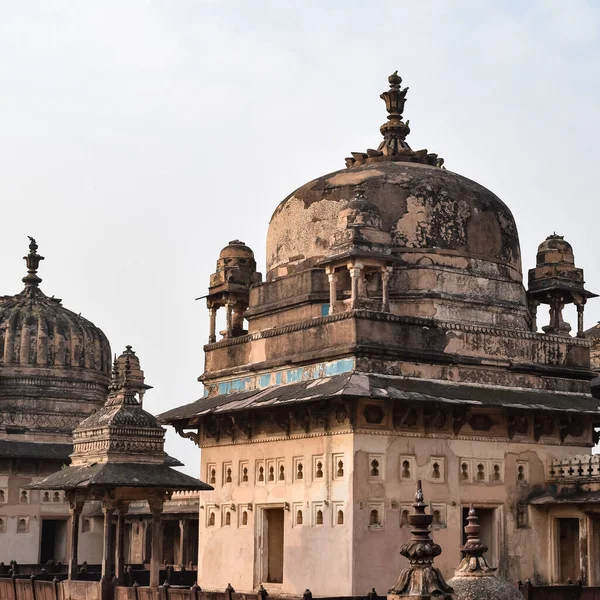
{"type": "Point", "coordinates": [315, 555]}
{"type": "Point", "coordinates": [351, 558]}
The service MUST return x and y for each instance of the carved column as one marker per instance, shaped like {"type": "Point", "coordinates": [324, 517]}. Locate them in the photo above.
{"type": "Point", "coordinates": [533, 306]}
{"type": "Point", "coordinates": [355, 273]}
{"type": "Point", "coordinates": [385, 288]}
{"type": "Point", "coordinates": [107, 550]}
{"type": "Point", "coordinates": [75, 508]}
{"type": "Point", "coordinates": [332, 276]}
{"type": "Point", "coordinates": [229, 325]}
{"type": "Point", "coordinates": [156, 507]}
{"type": "Point", "coordinates": [183, 540]}
{"type": "Point", "coordinates": [580, 331]}
{"type": "Point", "coordinates": [212, 325]}
{"type": "Point", "coordinates": [120, 542]}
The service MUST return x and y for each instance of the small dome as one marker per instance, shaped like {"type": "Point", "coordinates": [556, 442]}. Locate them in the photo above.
{"type": "Point", "coordinates": [555, 249]}
{"type": "Point", "coordinates": [48, 351]}
{"type": "Point", "coordinates": [236, 249]}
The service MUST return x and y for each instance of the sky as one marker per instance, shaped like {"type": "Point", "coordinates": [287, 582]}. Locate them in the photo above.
{"type": "Point", "coordinates": [138, 137]}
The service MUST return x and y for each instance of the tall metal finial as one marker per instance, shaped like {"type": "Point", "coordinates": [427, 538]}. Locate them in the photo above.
{"type": "Point", "coordinates": [473, 561]}
{"type": "Point", "coordinates": [421, 579]}
{"type": "Point", "coordinates": [33, 259]}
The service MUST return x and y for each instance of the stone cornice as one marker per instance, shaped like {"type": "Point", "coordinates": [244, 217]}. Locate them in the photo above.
{"type": "Point", "coordinates": [391, 318]}
{"type": "Point", "coordinates": [388, 432]}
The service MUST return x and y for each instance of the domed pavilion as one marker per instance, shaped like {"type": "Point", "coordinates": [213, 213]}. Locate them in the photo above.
{"type": "Point", "coordinates": [392, 340]}
{"type": "Point", "coordinates": [54, 372]}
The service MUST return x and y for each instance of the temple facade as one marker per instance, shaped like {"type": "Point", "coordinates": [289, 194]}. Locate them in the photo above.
{"type": "Point", "coordinates": [392, 340]}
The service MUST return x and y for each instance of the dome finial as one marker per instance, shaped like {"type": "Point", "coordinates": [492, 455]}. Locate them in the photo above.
{"type": "Point", "coordinates": [31, 280]}
{"type": "Point", "coordinates": [473, 548]}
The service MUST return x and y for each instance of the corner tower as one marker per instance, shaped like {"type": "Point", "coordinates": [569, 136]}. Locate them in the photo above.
{"type": "Point", "coordinates": [392, 341]}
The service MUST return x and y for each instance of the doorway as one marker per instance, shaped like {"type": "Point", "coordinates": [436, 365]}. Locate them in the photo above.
{"type": "Point", "coordinates": [54, 540]}
{"type": "Point", "coordinates": [488, 533]}
{"type": "Point", "coordinates": [567, 531]}
{"type": "Point", "coordinates": [272, 547]}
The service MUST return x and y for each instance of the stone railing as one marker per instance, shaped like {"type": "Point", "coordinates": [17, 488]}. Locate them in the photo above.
{"type": "Point", "coordinates": [579, 467]}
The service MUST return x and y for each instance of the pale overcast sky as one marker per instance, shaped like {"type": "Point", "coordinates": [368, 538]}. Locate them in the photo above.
{"type": "Point", "coordinates": [138, 137]}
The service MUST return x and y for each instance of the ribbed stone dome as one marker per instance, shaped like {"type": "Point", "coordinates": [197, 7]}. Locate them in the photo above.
{"type": "Point", "coordinates": [53, 360]}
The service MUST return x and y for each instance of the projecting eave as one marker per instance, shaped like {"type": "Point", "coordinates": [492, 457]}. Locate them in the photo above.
{"type": "Point", "coordinates": [115, 475]}
{"type": "Point", "coordinates": [364, 385]}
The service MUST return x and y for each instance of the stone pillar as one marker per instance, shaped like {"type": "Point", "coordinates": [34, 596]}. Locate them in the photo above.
{"type": "Point", "coordinates": [580, 331]}
{"type": "Point", "coordinates": [184, 527]}
{"type": "Point", "coordinates": [533, 306]}
{"type": "Point", "coordinates": [237, 318]}
{"type": "Point", "coordinates": [332, 276]}
{"type": "Point", "coordinates": [107, 550]}
{"type": "Point", "coordinates": [229, 325]}
{"type": "Point", "coordinates": [75, 508]}
{"type": "Point", "coordinates": [355, 272]}
{"type": "Point", "coordinates": [156, 506]}
{"type": "Point", "coordinates": [119, 556]}
{"type": "Point", "coordinates": [385, 289]}
{"type": "Point", "coordinates": [212, 328]}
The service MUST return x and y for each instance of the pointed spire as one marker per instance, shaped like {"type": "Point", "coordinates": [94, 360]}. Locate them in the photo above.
{"type": "Point", "coordinates": [114, 376]}
{"type": "Point", "coordinates": [33, 259]}
{"type": "Point", "coordinates": [473, 562]}
{"type": "Point", "coordinates": [420, 579]}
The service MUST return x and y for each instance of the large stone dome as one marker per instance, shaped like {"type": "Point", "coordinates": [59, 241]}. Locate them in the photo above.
{"type": "Point", "coordinates": [454, 238]}
{"type": "Point", "coordinates": [55, 364]}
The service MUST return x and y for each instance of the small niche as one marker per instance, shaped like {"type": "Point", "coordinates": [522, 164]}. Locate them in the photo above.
{"type": "Point", "coordinates": [404, 518]}
{"type": "Point", "coordinates": [211, 519]}
{"type": "Point", "coordinates": [245, 475]}
{"type": "Point", "coordinates": [464, 470]}
{"type": "Point", "coordinates": [299, 471]}
{"type": "Point", "coordinates": [56, 497]}
{"type": "Point", "coordinates": [340, 517]}
{"type": "Point", "coordinates": [22, 525]}
{"type": "Point", "coordinates": [319, 520]}
{"type": "Point", "coordinates": [437, 518]}
{"type": "Point", "coordinates": [435, 473]}
{"type": "Point", "coordinates": [228, 475]}
{"type": "Point", "coordinates": [406, 469]}
{"type": "Point", "coordinates": [340, 470]}
{"type": "Point", "coordinates": [244, 518]}
{"type": "Point", "coordinates": [374, 518]}
{"type": "Point", "coordinates": [227, 519]}
{"type": "Point", "coordinates": [46, 497]}
{"type": "Point", "coordinates": [281, 473]}
{"type": "Point", "coordinates": [374, 468]}
{"type": "Point", "coordinates": [213, 476]}
{"type": "Point", "coordinates": [23, 499]}
{"type": "Point", "coordinates": [261, 473]}
{"type": "Point", "coordinates": [496, 474]}
{"type": "Point", "coordinates": [319, 472]}
{"type": "Point", "coordinates": [480, 472]}
{"type": "Point", "coordinates": [86, 526]}
{"type": "Point", "coordinates": [299, 519]}
{"type": "Point", "coordinates": [271, 473]}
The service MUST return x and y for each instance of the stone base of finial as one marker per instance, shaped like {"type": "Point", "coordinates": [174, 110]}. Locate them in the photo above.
{"type": "Point", "coordinates": [421, 582]}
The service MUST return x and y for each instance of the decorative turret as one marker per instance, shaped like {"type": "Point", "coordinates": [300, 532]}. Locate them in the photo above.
{"type": "Point", "coordinates": [557, 281]}
{"type": "Point", "coordinates": [474, 577]}
{"type": "Point", "coordinates": [361, 248]}
{"type": "Point", "coordinates": [230, 287]}
{"type": "Point", "coordinates": [394, 131]}
{"type": "Point", "coordinates": [420, 579]}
